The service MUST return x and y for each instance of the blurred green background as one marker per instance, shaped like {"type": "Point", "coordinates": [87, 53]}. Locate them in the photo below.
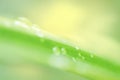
{"type": "Point", "coordinates": [91, 24]}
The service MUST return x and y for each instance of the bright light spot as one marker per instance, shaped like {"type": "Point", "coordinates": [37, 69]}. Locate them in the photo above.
{"type": "Point", "coordinates": [60, 62]}
{"type": "Point", "coordinates": [37, 31]}
{"type": "Point", "coordinates": [21, 24]}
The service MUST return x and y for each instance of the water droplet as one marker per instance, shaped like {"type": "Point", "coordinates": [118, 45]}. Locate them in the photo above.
{"type": "Point", "coordinates": [79, 54]}
{"type": "Point", "coordinates": [56, 50]}
{"type": "Point", "coordinates": [63, 51]}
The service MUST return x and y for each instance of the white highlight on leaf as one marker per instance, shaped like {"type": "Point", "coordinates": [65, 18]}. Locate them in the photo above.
{"type": "Point", "coordinates": [21, 24]}
{"type": "Point", "coordinates": [59, 61]}
{"type": "Point", "coordinates": [37, 31]}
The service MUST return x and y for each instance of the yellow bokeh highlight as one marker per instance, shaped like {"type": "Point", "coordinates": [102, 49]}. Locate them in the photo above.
{"type": "Point", "coordinates": [61, 18]}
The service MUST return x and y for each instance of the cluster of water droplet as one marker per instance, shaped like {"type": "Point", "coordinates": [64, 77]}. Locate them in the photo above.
{"type": "Point", "coordinates": [58, 58]}
{"type": "Point", "coordinates": [59, 51]}
{"type": "Point", "coordinates": [81, 55]}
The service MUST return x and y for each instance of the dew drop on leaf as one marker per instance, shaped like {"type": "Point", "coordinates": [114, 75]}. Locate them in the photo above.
{"type": "Point", "coordinates": [56, 50]}
{"type": "Point", "coordinates": [63, 51]}
{"type": "Point", "coordinates": [79, 54]}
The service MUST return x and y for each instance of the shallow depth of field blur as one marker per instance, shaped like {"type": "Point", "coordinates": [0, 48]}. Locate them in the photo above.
{"type": "Point", "coordinates": [94, 25]}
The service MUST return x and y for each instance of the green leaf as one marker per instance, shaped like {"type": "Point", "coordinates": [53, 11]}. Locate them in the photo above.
{"type": "Point", "coordinates": [23, 42]}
